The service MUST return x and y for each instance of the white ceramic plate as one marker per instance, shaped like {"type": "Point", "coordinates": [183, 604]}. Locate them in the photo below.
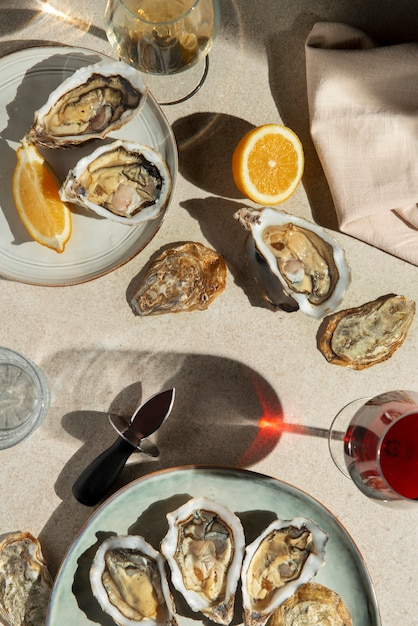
{"type": "Point", "coordinates": [96, 246]}
{"type": "Point", "coordinates": [141, 508]}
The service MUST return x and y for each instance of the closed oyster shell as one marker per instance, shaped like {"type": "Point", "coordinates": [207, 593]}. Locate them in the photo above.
{"type": "Point", "coordinates": [128, 580]}
{"type": "Point", "coordinates": [311, 604]}
{"type": "Point", "coordinates": [204, 547]}
{"type": "Point", "coordinates": [25, 582]}
{"type": "Point", "coordinates": [186, 277]}
{"type": "Point", "coordinates": [309, 266]}
{"type": "Point", "coordinates": [92, 102]}
{"type": "Point", "coordinates": [124, 181]}
{"type": "Point", "coordinates": [286, 555]}
{"type": "Point", "coordinates": [363, 336]}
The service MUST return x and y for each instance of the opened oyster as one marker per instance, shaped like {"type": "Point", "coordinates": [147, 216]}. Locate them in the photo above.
{"type": "Point", "coordinates": [286, 555]}
{"type": "Point", "coordinates": [312, 604]}
{"type": "Point", "coordinates": [124, 181]}
{"type": "Point", "coordinates": [204, 547]}
{"type": "Point", "coordinates": [128, 580]}
{"type": "Point", "coordinates": [363, 336]}
{"type": "Point", "coordinates": [92, 102]}
{"type": "Point", "coordinates": [309, 265]}
{"type": "Point", "coordinates": [25, 582]}
{"type": "Point", "coordinates": [183, 278]}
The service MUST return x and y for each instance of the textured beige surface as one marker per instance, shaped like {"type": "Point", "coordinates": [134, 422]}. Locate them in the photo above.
{"type": "Point", "coordinates": [237, 360]}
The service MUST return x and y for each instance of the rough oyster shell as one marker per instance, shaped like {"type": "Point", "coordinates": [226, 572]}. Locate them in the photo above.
{"type": "Point", "coordinates": [124, 181]}
{"type": "Point", "coordinates": [312, 604]}
{"type": "Point", "coordinates": [204, 547]}
{"type": "Point", "coordinates": [287, 554]}
{"type": "Point", "coordinates": [92, 102]}
{"type": "Point", "coordinates": [309, 265]}
{"type": "Point", "coordinates": [128, 580]}
{"type": "Point", "coordinates": [25, 582]}
{"type": "Point", "coordinates": [187, 277]}
{"type": "Point", "coordinates": [363, 336]}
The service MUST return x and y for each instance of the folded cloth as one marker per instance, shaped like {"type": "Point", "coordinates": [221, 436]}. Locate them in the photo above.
{"type": "Point", "coordinates": [363, 107]}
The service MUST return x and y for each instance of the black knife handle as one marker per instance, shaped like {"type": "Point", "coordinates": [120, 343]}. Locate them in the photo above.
{"type": "Point", "coordinates": [93, 484]}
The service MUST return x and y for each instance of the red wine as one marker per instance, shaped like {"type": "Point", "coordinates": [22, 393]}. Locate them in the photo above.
{"type": "Point", "coordinates": [399, 456]}
{"type": "Point", "coordinates": [380, 464]}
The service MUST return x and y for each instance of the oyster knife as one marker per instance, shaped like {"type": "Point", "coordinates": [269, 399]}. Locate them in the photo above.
{"type": "Point", "coordinates": [95, 481]}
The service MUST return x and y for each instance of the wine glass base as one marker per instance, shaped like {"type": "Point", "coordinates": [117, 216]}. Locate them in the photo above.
{"type": "Point", "coordinates": [172, 89]}
{"type": "Point", "coordinates": [338, 430]}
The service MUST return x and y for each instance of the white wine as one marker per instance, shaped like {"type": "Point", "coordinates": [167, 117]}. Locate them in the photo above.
{"type": "Point", "coordinates": [160, 36]}
{"type": "Point", "coordinates": [163, 10]}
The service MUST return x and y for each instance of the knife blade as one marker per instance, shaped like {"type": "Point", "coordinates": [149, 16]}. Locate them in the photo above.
{"type": "Point", "coordinates": [95, 481]}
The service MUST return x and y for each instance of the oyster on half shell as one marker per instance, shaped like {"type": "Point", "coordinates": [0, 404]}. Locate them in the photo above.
{"type": "Point", "coordinates": [308, 264]}
{"type": "Point", "coordinates": [287, 554]}
{"type": "Point", "coordinates": [124, 181]}
{"type": "Point", "coordinates": [128, 580]}
{"type": "Point", "coordinates": [204, 547]}
{"type": "Point", "coordinates": [363, 336]}
{"type": "Point", "coordinates": [25, 582]}
{"type": "Point", "coordinates": [186, 277]}
{"type": "Point", "coordinates": [92, 102]}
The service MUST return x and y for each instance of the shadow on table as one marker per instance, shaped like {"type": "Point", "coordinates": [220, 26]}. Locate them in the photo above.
{"type": "Point", "coordinates": [205, 144]}
{"type": "Point", "coordinates": [206, 140]}
{"type": "Point", "coordinates": [224, 414]}
{"type": "Point", "coordinates": [287, 75]}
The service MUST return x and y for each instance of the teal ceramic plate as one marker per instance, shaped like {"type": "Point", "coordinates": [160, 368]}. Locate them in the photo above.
{"type": "Point", "coordinates": [141, 507]}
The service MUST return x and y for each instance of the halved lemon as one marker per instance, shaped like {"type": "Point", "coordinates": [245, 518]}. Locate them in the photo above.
{"type": "Point", "coordinates": [36, 193]}
{"type": "Point", "coordinates": [267, 164]}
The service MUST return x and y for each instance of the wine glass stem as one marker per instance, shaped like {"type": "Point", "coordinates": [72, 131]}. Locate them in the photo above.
{"type": "Point", "coordinates": [194, 90]}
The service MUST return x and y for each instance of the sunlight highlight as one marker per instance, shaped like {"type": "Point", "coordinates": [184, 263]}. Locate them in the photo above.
{"type": "Point", "coordinates": [47, 8]}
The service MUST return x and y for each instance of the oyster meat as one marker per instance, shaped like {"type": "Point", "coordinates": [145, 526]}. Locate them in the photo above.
{"type": "Point", "coordinates": [312, 604]}
{"type": "Point", "coordinates": [286, 555]}
{"type": "Point", "coordinates": [128, 580]}
{"type": "Point", "coordinates": [308, 264]}
{"type": "Point", "coordinates": [124, 181]}
{"type": "Point", "coordinates": [25, 582]}
{"type": "Point", "coordinates": [187, 277]}
{"type": "Point", "coordinates": [92, 102]}
{"type": "Point", "coordinates": [363, 336]}
{"type": "Point", "coordinates": [204, 547]}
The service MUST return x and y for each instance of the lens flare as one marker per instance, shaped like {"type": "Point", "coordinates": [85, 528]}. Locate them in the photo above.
{"type": "Point", "coordinates": [269, 426]}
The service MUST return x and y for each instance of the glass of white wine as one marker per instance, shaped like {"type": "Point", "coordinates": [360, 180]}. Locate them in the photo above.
{"type": "Point", "coordinates": [163, 37]}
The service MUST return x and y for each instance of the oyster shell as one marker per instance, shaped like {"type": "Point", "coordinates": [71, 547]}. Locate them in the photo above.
{"type": "Point", "coordinates": [183, 278]}
{"type": "Point", "coordinates": [124, 181]}
{"type": "Point", "coordinates": [312, 603]}
{"type": "Point", "coordinates": [204, 547]}
{"type": "Point", "coordinates": [92, 102]}
{"type": "Point", "coordinates": [309, 265]}
{"type": "Point", "coordinates": [25, 582]}
{"type": "Point", "coordinates": [128, 580]}
{"type": "Point", "coordinates": [287, 554]}
{"type": "Point", "coordinates": [363, 336]}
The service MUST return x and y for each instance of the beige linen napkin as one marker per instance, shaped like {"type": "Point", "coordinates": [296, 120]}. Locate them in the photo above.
{"type": "Point", "coordinates": [363, 106]}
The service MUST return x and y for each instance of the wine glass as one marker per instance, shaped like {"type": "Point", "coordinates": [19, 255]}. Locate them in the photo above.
{"type": "Point", "coordinates": [163, 37]}
{"type": "Point", "coordinates": [375, 443]}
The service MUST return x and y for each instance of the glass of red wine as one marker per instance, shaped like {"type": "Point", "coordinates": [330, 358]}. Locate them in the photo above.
{"type": "Point", "coordinates": [374, 441]}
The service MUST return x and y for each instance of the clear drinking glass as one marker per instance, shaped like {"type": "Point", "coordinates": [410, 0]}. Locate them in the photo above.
{"type": "Point", "coordinates": [24, 397]}
{"type": "Point", "coordinates": [162, 37]}
{"type": "Point", "coordinates": [375, 443]}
